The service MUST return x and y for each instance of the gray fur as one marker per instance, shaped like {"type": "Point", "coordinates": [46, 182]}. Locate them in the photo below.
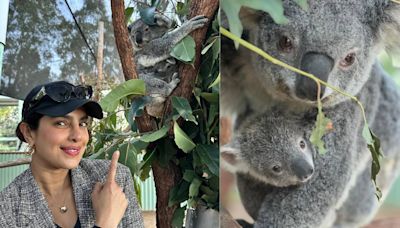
{"type": "Point", "coordinates": [331, 29]}
{"type": "Point", "coordinates": [269, 160]}
{"type": "Point", "coordinates": [152, 46]}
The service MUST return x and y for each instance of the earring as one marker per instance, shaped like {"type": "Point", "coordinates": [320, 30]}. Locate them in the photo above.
{"type": "Point", "coordinates": [31, 149]}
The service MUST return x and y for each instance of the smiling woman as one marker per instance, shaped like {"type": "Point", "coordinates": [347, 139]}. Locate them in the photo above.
{"type": "Point", "coordinates": [60, 189]}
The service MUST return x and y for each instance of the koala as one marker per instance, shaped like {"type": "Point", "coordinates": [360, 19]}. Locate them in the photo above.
{"type": "Point", "coordinates": [152, 45]}
{"type": "Point", "coordinates": [269, 160]}
{"type": "Point", "coordinates": [337, 41]}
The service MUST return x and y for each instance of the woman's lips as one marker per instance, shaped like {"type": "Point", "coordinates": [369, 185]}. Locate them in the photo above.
{"type": "Point", "coordinates": [71, 151]}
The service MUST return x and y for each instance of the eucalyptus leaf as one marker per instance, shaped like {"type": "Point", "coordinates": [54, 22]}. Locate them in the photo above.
{"type": "Point", "coordinates": [131, 87]}
{"type": "Point", "coordinates": [182, 140]}
{"type": "Point", "coordinates": [184, 50]}
{"type": "Point", "coordinates": [319, 131]}
{"type": "Point", "coordinates": [216, 81]}
{"type": "Point", "coordinates": [209, 156]}
{"type": "Point", "coordinates": [211, 43]}
{"type": "Point", "coordinates": [210, 97]}
{"type": "Point", "coordinates": [182, 106]}
{"type": "Point", "coordinates": [154, 136]}
{"type": "Point", "coordinates": [138, 105]}
{"type": "Point", "coordinates": [374, 146]}
{"type": "Point", "coordinates": [177, 219]}
{"type": "Point", "coordinates": [179, 193]}
{"type": "Point", "coordinates": [232, 9]}
{"type": "Point", "coordinates": [128, 157]}
{"type": "Point", "coordinates": [194, 190]}
{"type": "Point", "coordinates": [128, 14]}
{"type": "Point", "coordinates": [189, 175]}
{"type": "Point", "coordinates": [145, 165]}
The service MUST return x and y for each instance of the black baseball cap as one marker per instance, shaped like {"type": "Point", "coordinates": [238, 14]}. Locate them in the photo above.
{"type": "Point", "coordinates": [68, 99]}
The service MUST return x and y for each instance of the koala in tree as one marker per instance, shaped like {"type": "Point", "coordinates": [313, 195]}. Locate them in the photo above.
{"type": "Point", "coordinates": [269, 160]}
{"type": "Point", "coordinates": [152, 45]}
{"type": "Point", "coordinates": [338, 42]}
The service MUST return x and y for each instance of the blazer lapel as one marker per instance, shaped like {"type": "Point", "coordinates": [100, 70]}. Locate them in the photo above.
{"type": "Point", "coordinates": [82, 186]}
{"type": "Point", "coordinates": [33, 209]}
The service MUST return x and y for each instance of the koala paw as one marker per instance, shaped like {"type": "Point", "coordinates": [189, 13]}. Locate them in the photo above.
{"type": "Point", "coordinates": [175, 80]}
{"type": "Point", "coordinates": [197, 21]}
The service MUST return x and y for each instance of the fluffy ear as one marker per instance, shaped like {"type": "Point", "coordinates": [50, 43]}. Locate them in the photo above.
{"type": "Point", "coordinates": [385, 20]}
{"type": "Point", "coordinates": [162, 20]}
{"type": "Point", "coordinates": [230, 157]}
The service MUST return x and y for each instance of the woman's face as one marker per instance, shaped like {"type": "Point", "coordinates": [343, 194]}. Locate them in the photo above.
{"type": "Point", "coordinates": [61, 141]}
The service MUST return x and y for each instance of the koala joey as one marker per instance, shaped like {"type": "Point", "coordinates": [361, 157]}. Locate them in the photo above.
{"type": "Point", "coordinates": [283, 157]}
{"type": "Point", "coordinates": [152, 45]}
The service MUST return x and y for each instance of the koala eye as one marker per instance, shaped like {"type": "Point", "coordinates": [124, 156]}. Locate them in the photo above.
{"type": "Point", "coordinates": [277, 169]}
{"type": "Point", "coordinates": [146, 29]}
{"type": "Point", "coordinates": [285, 44]}
{"type": "Point", "coordinates": [302, 144]}
{"type": "Point", "coordinates": [348, 60]}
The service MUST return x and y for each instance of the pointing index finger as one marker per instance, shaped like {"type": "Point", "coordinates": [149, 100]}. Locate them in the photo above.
{"type": "Point", "coordinates": [113, 167]}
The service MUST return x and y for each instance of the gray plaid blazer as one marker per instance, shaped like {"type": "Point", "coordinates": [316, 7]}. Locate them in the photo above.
{"type": "Point", "coordinates": [22, 204]}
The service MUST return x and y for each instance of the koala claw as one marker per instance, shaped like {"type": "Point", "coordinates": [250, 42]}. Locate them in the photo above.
{"type": "Point", "coordinates": [198, 21]}
{"type": "Point", "coordinates": [175, 80]}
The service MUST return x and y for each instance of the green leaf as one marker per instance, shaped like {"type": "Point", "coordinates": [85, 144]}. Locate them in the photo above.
{"type": "Point", "coordinates": [210, 97]}
{"type": "Point", "coordinates": [319, 131]}
{"type": "Point", "coordinates": [216, 81]}
{"type": "Point", "coordinates": [128, 157]}
{"type": "Point", "coordinates": [182, 8]}
{"type": "Point", "coordinates": [194, 192]}
{"type": "Point", "coordinates": [232, 8]}
{"type": "Point", "coordinates": [182, 140]}
{"type": "Point", "coordinates": [184, 50]}
{"type": "Point", "coordinates": [145, 165]}
{"type": "Point", "coordinates": [179, 215]}
{"type": "Point", "coordinates": [189, 175]}
{"type": "Point", "coordinates": [182, 106]}
{"type": "Point", "coordinates": [303, 4]}
{"type": "Point", "coordinates": [179, 193]}
{"type": "Point", "coordinates": [131, 87]}
{"type": "Point", "coordinates": [154, 136]}
{"type": "Point", "coordinates": [128, 14]}
{"type": "Point", "coordinates": [211, 43]}
{"type": "Point", "coordinates": [209, 156]}
{"type": "Point", "coordinates": [374, 146]}
{"type": "Point", "coordinates": [138, 105]}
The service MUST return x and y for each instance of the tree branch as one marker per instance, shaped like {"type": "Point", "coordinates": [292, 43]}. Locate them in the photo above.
{"type": "Point", "coordinates": [20, 161]}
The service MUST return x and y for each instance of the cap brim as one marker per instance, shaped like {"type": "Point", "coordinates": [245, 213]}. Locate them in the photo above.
{"type": "Point", "coordinates": [92, 108]}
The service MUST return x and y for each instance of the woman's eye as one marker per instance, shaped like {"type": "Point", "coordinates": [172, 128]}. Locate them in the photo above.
{"type": "Point", "coordinates": [61, 123]}
{"type": "Point", "coordinates": [84, 124]}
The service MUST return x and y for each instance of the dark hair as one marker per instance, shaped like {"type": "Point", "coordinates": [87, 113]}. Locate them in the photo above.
{"type": "Point", "coordinates": [33, 123]}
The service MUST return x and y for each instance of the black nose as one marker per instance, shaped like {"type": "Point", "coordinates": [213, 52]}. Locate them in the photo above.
{"type": "Point", "coordinates": [302, 169]}
{"type": "Point", "coordinates": [320, 65]}
{"type": "Point", "coordinates": [139, 38]}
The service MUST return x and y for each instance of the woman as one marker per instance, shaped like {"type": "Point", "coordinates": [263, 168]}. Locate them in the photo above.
{"type": "Point", "coordinates": [60, 189]}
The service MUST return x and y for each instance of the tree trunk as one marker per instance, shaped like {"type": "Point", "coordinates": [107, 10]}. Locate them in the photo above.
{"type": "Point", "coordinates": [165, 177]}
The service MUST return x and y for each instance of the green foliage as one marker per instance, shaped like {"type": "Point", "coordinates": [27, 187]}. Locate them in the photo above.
{"type": "Point", "coordinates": [184, 50]}
{"type": "Point", "coordinates": [132, 87]}
{"type": "Point", "coordinates": [192, 145]}
{"type": "Point", "coordinates": [320, 130]}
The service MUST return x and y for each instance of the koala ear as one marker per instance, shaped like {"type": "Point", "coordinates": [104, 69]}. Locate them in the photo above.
{"type": "Point", "coordinates": [230, 157]}
{"type": "Point", "coordinates": [385, 21]}
{"type": "Point", "coordinates": [162, 20]}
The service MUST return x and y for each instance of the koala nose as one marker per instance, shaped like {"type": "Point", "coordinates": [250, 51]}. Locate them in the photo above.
{"type": "Point", "coordinates": [139, 38]}
{"type": "Point", "coordinates": [302, 169]}
{"type": "Point", "coordinates": [320, 65]}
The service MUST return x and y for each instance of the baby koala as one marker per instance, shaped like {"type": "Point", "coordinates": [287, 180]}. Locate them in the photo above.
{"type": "Point", "coordinates": [274, 149]}
{"type": "Point", "coordinates": [152, 44]}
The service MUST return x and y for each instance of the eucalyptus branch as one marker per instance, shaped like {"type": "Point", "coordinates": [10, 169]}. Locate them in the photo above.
{"type": "Point", "coordinates": [396, 1]}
